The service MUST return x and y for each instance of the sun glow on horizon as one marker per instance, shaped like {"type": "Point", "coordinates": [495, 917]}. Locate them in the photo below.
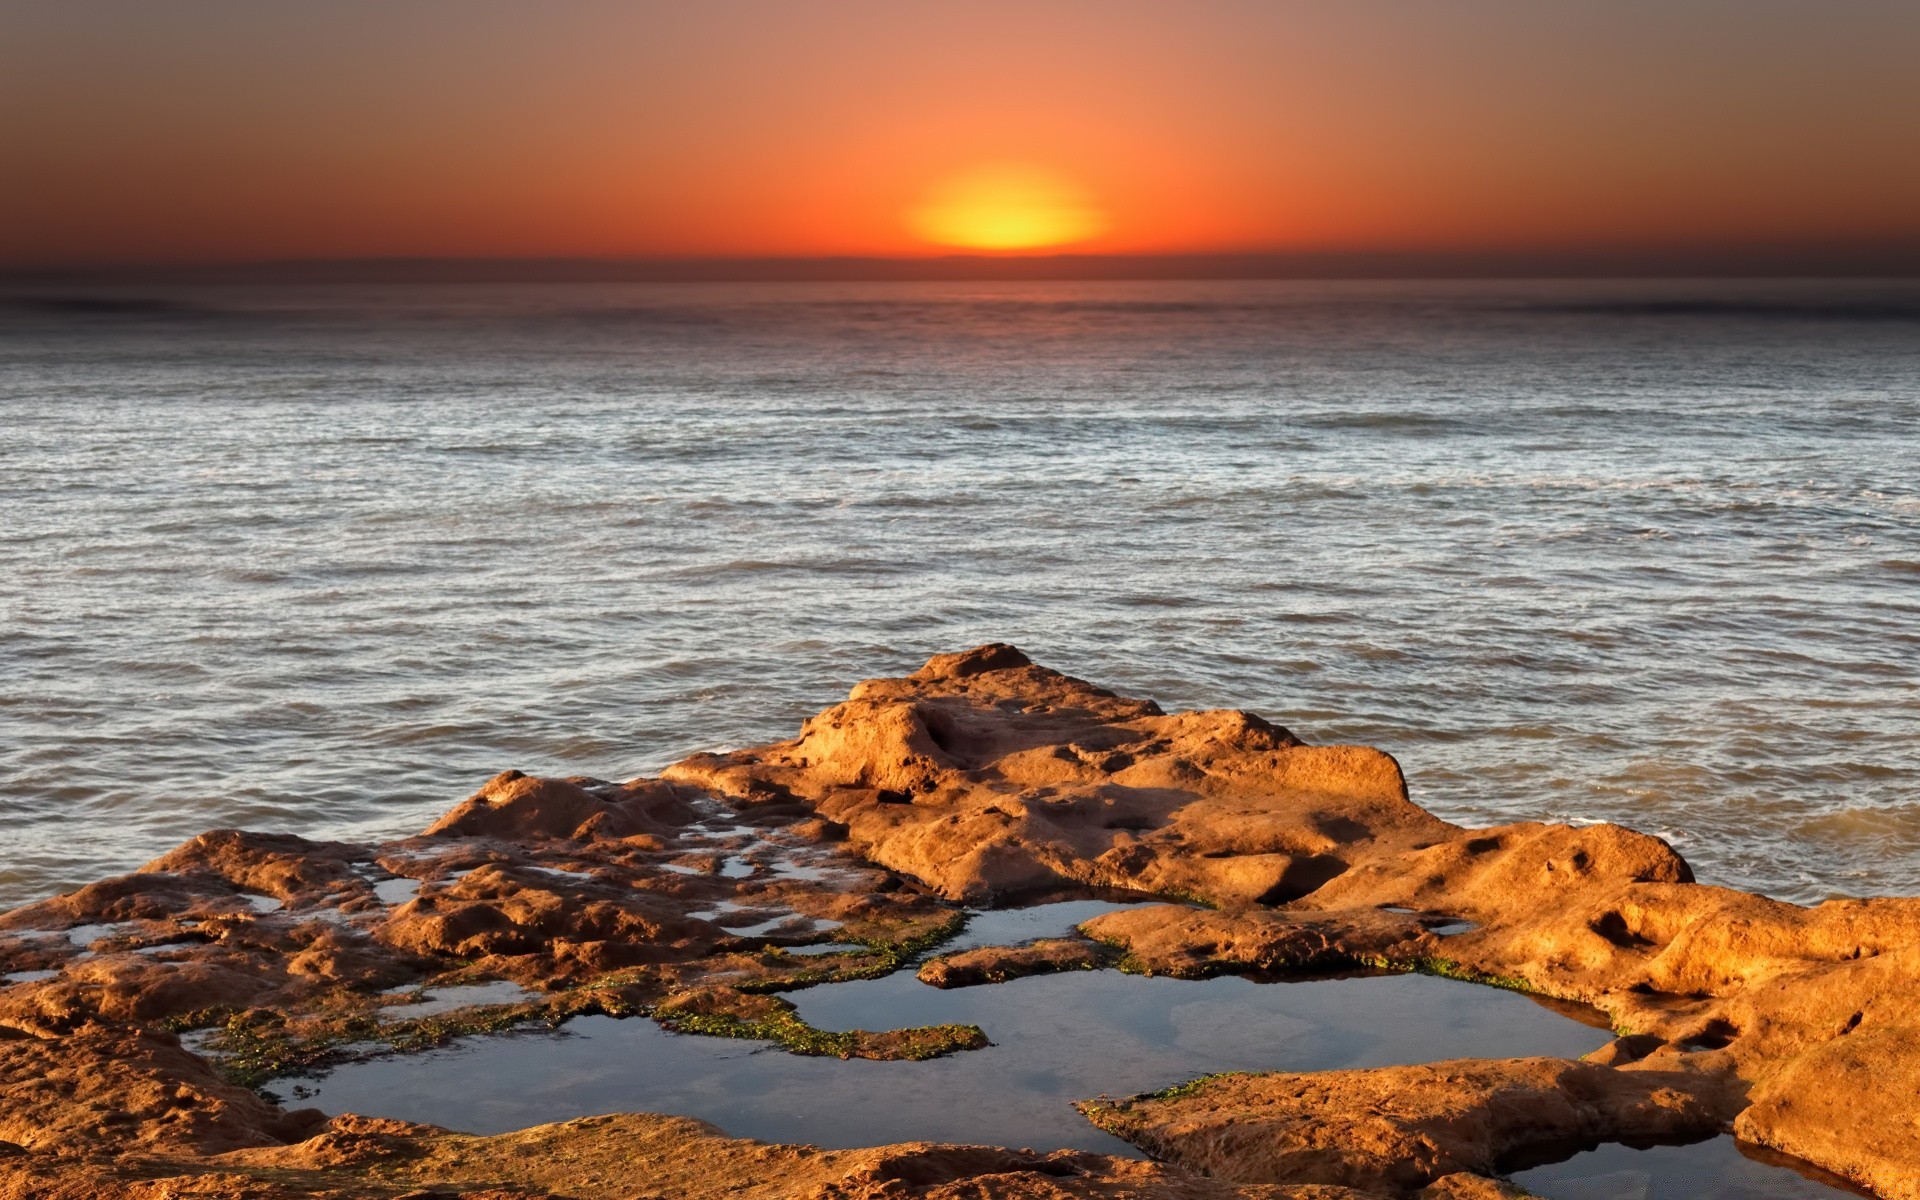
{"type": "Point", "coordinates": [1007, 207]}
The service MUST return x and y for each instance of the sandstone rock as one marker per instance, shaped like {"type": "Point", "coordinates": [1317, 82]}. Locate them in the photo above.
{"type": "Point", "coordinates": [1168, 939]}
{"type": "Point", "coordinates": [518, 807]}
{"type": "Point", "coordinates": [139, 897]}
{"type": "Point", "coordinates": [620, 1157]}
{"type": "Point", "coordinates": [981, 776]}
{"type": "Point", "coordinates": [1847, 1104]}
{"type": "Point", "coordinates": [1465, 1186]}
{"type": "Point", "coordinates": [1398, 1129]}
{"type": "Point", "coordinates": [998, 964]}
{"type": "Point", "coordinates": [985, 776]}
{"type": "Point", "coordinates": [278, 865]}
{"type": "Point", "coordinates": [116, 1090]}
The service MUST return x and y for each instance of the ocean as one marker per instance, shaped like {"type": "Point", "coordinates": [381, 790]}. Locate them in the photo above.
{"type": "Point", "coordinates": [322, 559]}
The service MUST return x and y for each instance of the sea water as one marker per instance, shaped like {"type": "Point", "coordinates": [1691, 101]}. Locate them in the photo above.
{"type": "Point", "coordinates": [1054, 1039]}
{"type": "Point", "coordinates": [322, 559]}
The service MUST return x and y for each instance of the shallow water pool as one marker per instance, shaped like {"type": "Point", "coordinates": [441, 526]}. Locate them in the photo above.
{"type": "Point", "coordinates": [1056, 1039]}
{"type": "Point", "coordinates": [1716, 1169]}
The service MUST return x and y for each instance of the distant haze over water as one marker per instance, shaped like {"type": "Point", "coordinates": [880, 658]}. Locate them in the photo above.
{"type": "Point", "coordinates": [322, 559]}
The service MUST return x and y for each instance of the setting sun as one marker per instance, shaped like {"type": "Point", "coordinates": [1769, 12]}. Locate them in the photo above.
{"type": "Point", "coordinates": [1006, 206]}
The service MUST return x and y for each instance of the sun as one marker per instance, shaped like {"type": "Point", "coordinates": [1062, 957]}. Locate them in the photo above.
{"type": "Point", "coordinates": [1006, 207]}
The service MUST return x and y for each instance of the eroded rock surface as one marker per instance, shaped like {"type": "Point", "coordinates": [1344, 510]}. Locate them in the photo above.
{"type": "Point", "coordinates": [617, 1158]}
{"type": "Point", "coordinates": [980, 778]}
{"type": "Point", "coordinates": [998, 964]}
{"type": "Point", "coordinates": [1398, 1129]}
{"type": "Point", "coordinates": [985, 777]}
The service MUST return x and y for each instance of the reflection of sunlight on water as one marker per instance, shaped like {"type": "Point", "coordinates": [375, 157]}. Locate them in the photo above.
{"type": "Point", "coordinates": [327, 563]}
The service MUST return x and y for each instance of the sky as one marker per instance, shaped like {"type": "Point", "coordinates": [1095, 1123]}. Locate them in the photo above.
{"type": "Point", "coordinates": [198, 131]}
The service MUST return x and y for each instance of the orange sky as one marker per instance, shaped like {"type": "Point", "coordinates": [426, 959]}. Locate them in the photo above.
{"type": "Point", "coordinates": [135, 132]}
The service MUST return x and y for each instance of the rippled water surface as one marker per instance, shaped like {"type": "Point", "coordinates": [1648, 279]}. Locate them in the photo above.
{"type": "Point", "coordinates": [324, 559]}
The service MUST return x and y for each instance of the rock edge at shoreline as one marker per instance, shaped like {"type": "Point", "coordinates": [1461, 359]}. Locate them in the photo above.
{"type": "Point", "coordinates": [980, 778]}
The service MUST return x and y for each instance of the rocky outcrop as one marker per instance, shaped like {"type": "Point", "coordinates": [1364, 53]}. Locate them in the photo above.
{"type": "Point", "coordinates": [986, 777]}
{"type": "Point", "coordinates": [519, 808]}
{"type": "Point", "coordinates": [979, 778]}
{"type": "Point", "coordinates": [621, 1156]}
{"type": "Point", "coordinates": [1394, 1130]}
{"type": "Point", "coordinates": [617, 1158]}
{"type": "Point", "coordinates": [1165, 939]}
{"type": "Point", "coordinates": [234, 923]}
{"type": "Point", "coordinates": [998, 964]}
{"type": "Point", "coordinates": [131, 1089]}
{"type": "Point", "coordinates": [982, 775]}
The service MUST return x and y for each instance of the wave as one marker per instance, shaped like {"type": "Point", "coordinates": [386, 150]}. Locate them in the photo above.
{"type": "Point", "coordinates": [1773, 310]}
{"type": "Point", "coordinates": [107, 306]}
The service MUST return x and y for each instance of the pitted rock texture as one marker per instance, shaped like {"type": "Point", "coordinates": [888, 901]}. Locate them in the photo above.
{"type": "Point", "coordinates": [545, 882]}
{"type": "Point", "coordinates": [985, 777]}
{"type": "Point", "coordinates": [131, 1089]}
{"type": "Point", "coordinates": [979, 778]}
{"type": "Point", "coordinates": [998, 964]}
{"type": "Point", "coordinates": [618, 1158]}
{"type": "Point", "coordinates": [1397, 1129]}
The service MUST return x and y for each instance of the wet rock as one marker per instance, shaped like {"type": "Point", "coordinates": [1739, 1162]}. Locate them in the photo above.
{"type": "Point", "coordinates": [1846, 1104]}
{"type": "Point", "coordinates": [984, 776]}
{"type": "Point", "coordinates": [278, 865]}
{"type": "Point", "coordinates": [1465, 1186]}
{"type": "Point", "coordinates": [138, 897]}
{"type": "Point", "coordinates": [729, 1012]}
{"type": "Point", "coordinates": [998, 964]}
{"type": "Point", "coordinates": [1168, 939]}
{"type": "Point", "coordinates": [1398, 1129]}
{"type": "Point", "coordinates": [517, 807]}
{"type": "Point", "coordinates": [112, 1091]}
{"type": "Point", "coordinates": [629, 1155]}
{"type": "Point", "coordinates": [980, 777]}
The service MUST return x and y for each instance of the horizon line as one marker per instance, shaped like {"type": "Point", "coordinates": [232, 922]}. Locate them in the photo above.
{"type": "Point", "coordinates": [1803, 262]}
